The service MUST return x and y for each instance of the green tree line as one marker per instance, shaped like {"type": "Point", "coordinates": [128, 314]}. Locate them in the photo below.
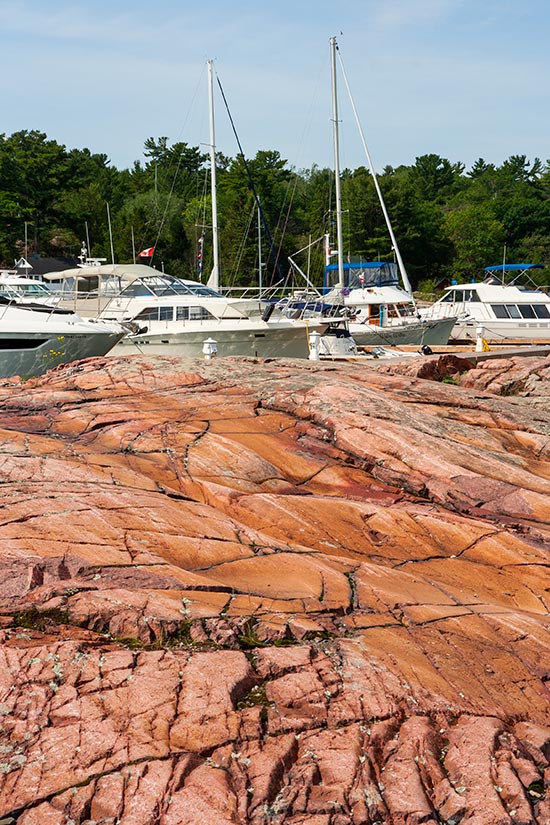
{"type": "Point", "coordinates": [449, 222]}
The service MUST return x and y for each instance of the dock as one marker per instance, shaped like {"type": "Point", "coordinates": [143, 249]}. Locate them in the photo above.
{"type": "Point", "coordinates": [461, 350]}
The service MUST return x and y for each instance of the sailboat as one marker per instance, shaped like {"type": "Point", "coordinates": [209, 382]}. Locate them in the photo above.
{"type": "Point", "coordinates": [376, 295]}
{"type": "Point", "coordinates": [190, 318]}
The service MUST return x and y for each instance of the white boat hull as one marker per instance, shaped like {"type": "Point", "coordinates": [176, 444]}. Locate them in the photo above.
{"type": "Point", "coordinates": [496, 330]}
{"type": "Point", "coordinates": [415, 333]}
{"type": "Point", "coordinates": [32, 353]}
{"type": "Point", "coordinates": [271, 341]}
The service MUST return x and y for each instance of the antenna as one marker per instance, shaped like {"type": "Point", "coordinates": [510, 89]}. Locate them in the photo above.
{"type": "Point", "coordinates": [110, 234]}
{"type": "Point", "coordinates": [88, 240]}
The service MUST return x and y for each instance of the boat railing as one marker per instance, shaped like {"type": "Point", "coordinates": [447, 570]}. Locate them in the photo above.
{"type": "Point", "coordinates": [444, 310]}
{"type": "Point", "coordinates": [263, 293]}
{"type": "Point", "coordinates": [88, 304]}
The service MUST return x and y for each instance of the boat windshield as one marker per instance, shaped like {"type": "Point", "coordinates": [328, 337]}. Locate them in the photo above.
{"type": "Point", "coordinates": [459, 296]}
{"type": "Point", "coordinates": [33, 289]}
{"type": "Point", "coordinates": [8, 291]}
{"type": "Point", "coordinates": [165, 285]}
{"type": "Point", "coordinates": [358, 274]}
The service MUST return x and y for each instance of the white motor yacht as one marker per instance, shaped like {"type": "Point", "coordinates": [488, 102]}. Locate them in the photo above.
{"type": "Point", "coordinates": [178, 316]}
{"type": "Point", "coordinates": [497, 308]}
{"type": "Point", "coordinates": [35, 338]}
{"type": "Point", "coordinates": [17, 287]}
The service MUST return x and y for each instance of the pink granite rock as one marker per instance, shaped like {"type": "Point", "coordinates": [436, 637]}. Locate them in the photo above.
{"type": "Point", "coordinates": [275, 592]}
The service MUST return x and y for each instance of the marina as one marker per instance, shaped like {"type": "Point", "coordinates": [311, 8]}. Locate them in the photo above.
{"type": "Point", "coordinates": [274, 545]}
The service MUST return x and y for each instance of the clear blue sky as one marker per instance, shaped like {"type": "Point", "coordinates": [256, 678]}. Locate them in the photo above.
{"type": "Point", "coordinates": [461, 78]}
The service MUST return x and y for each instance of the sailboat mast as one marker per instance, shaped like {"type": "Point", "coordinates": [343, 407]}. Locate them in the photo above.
{"type": "Point", "coordinates": [339, 239]}
{"type": "Point", "coordinates": [213, 281]}
{"type": "Point", "coordinates": [260, 264]}
{"type": "Point", "coordinates": [400, 264]}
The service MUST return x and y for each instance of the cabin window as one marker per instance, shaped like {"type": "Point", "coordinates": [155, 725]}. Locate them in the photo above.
{"type": "Point", "coordinates": [192, 314]}
{"type": "Point", "coordinates": [199, 314]}
{"type": "Point", "coordinates": [148, 314]}
{"type": "Point", "coordinates": [156, 314]}
{"type": "Point", "coordinates": [541, 310]}
{"type": "Point", "coordinates": [513, 311]}
{"type": "Point", "coordinates": [470, 295]}
{"type": "Point", "coordinates": [500, 311]}
{"type": "Point", "coordinates": [527, 311]}
{"type": "Point", "coordinates": [449, 297]}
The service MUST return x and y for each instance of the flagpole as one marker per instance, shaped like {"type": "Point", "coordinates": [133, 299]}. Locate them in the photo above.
{"type": "Point", "coordinates": [133, 245]}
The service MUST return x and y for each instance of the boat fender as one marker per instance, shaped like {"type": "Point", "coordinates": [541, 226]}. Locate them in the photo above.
{"type": "Point", "coordinates": [426, 350]}
{"type": "Point", "coordinates": [268, 312]}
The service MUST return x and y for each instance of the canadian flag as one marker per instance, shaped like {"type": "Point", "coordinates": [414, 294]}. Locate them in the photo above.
{"type": "Point", "coordinates": [147, 253]}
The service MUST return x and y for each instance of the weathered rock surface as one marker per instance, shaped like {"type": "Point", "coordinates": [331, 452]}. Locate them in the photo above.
{"type": "Point", "coordinates": [518, 375]}
{"type": "Point", "coordinates": [524, 377]}
{"type": "Point", "coordinates": [274, 592]}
